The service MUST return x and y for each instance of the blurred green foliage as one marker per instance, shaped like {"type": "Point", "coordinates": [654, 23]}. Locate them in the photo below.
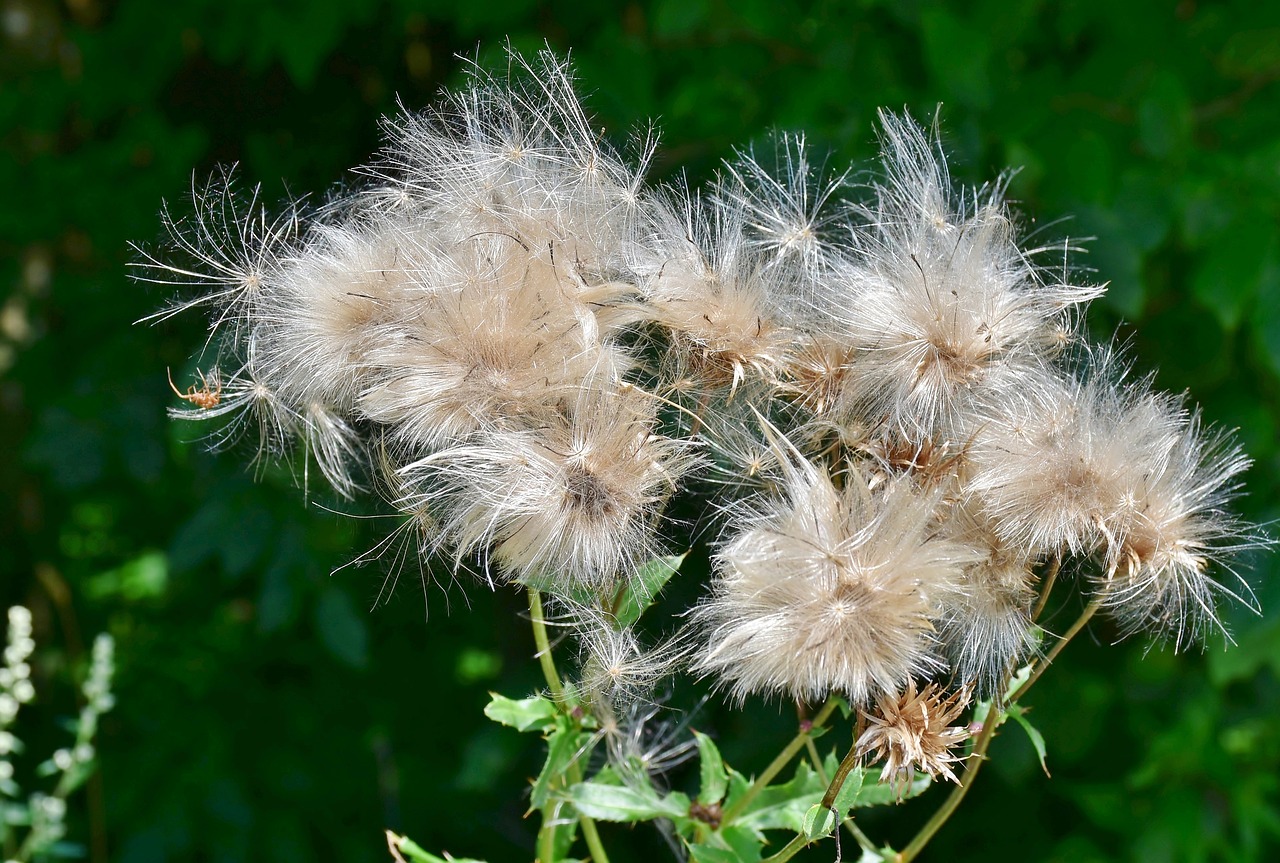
{"type": "Point", "coordinates": [265, 714]}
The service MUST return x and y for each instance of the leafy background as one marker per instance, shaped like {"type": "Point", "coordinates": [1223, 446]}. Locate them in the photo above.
{"type": "Point", "coordinates": [266, 714]}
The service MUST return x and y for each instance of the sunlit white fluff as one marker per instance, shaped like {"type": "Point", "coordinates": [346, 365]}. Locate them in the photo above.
{"type": "Point", "coordinates": [821, 590]}
{"type": "Point", "coordinates": [788, 211]}
{"type": "Point", "coordinates": [1170, 537]}
{"type": "Point", "coordinates": [1051, 469]}
{"type": "Point", "coordinates": [573, 502]}
{"type": "Point", "coordinates": [224, 255]}
{"type": "Point", "coordinates": [332, 303]}
{"type": "Point", "coordinates": [614, 666]}
{"type": "Point", "coordinates": [516, 153]}
{"type": "Point", "coordinates": [945, 308]}
{"type": "Point", "coordinates": [705, 284]}
{"type": "Point", "coordinates": [986, 627]}
{"type": "Point", "coordinates": [501, 348]}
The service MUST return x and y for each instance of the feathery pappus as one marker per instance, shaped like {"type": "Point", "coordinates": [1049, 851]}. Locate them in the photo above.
{"type": "Point", "coordinates": [879, 396]}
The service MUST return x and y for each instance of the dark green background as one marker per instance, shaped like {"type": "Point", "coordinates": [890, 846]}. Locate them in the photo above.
{"type": "Point", "coordinates": [265, 714]}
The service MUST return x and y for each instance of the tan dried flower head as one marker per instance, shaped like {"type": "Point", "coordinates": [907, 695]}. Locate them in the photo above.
{"type": "Point", "coordinates": [823, 590]}
{"type": "Point", "coordinates": [913, 731]}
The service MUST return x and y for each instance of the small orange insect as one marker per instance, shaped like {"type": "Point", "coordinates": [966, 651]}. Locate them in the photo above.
{"type": "Point", "coordinates": [207, 395]}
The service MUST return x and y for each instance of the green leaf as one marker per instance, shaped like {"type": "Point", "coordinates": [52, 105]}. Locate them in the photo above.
{"type": "Point", "coordinates": [563, 746]}
{"type": "Point", "coordinates": [847, 796]}
{"type": "Point", "coordinates": [626, 803]}
{"type": "Point", "coordinates": [704, 852]}
{"type": "Point", "coordinates": [532, 713]}
{"type": "Point", "coordinates": [644, 587]}
{"type": "Point", "coordinates": [415, 853]}
{"type": "Point", "coordinates": [819, 821]}
{"type": "Point", "coordinates": [856, 793]}
{"type": "Point", "coordinates": [883, 793]}
{"type": "Point", "coordinates": [783, 806]}
{"type": "Point", "coordinates": [714, 780]}
{"type": "Point", "coordinates": [1018, 714]}
{"type": "Point", "coordinates": [1021, 677]}
{"type": "Point", "coordinates": [743, 842]}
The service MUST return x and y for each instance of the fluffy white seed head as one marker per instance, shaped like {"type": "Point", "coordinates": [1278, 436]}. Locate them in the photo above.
{"type": "Point", "coordinates": [1055, 464]}
{"type": "Point", "coordinates": [823, 590]}
{"type": "Point", "coordinates": [947, 311]}
{"type": "Point", "coordinates": [706, 285]}
{"type": "Point", "coordinates": [503, 348]}
{"type": "Point", "coordinates": [986, 627]}
{"type": "Point", "coordinates": [1172, 533]}
{"type": "Point", "coordinates": [574, 503]}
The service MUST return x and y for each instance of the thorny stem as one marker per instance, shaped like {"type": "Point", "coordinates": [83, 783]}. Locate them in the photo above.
{"type": "Point", "coordinates": [775, 767]}
{"type": "Point", "coordinates": [995, 716]}
{"type": "Point", "coordinates": [573, 773]}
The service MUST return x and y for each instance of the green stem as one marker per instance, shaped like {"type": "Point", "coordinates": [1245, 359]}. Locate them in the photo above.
{"type": "Point", "coordinates": [573, 773]}
{"type": "Point", "coordinates": [789, 850]}
{"type": "Point", "coordinates": [547, 837]}
{"type": "Point", "coordinates": [995, 716]}
{"type": "Point", "coordinates": [815, 759]}
{"type": "Point", "coordinates": [544, 648]}
{"type": "Point", "coordinates": [775, 767]}
{"type": "Point", "coordinates": [1049, 579]}
{"type": "Point", "coordinates": [957, 795]}
{"type": "Point", "coordinates": [592, 836]}
{"type": "Point", "coordinates": [1090, 610]}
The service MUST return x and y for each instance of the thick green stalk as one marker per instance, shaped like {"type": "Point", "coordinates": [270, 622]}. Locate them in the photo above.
{"type": "Point", "coordinates": [573, 773]}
